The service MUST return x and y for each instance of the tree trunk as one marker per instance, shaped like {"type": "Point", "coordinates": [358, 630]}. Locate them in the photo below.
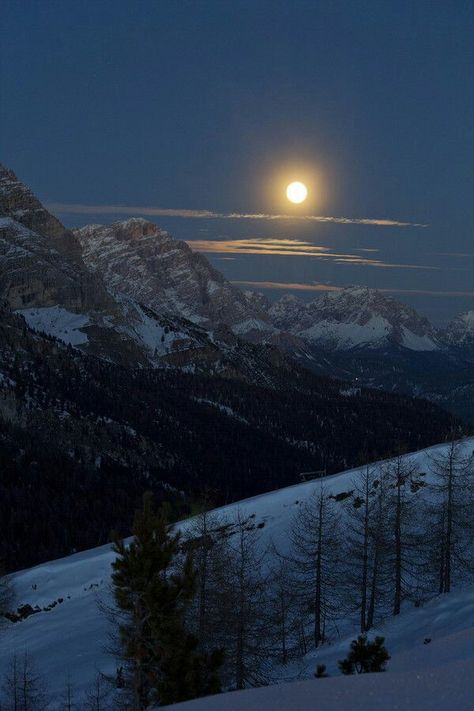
{"type": "Point", "coordinates": [397, 598]}
{"type": "Point", "coordinates": [318, 636]}
{"type": "Point", "coordinates": [449, 528]}
{"type": "Point", "coordinates": [365, 560]}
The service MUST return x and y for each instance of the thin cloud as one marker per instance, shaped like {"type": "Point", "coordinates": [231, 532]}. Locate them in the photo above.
{"type": "Point", "coordinates": [315, 286]}
{"type": "Point", "coordinates": [286, 285]}
{"type": "Point", "coordinates": [79, 209]}
{"type": "Point", "coordinates": [292, 248]}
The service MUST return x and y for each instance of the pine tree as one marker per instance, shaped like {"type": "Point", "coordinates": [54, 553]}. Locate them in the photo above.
{"type": "Point", "coordinates": [205, 539]}
{"type": "Point", "coordinates": [450, 515]}
{"type": "Point", "coordinates": [24, 688]}
{"type": "Point", "coordinates": [153, 586]}
{"type": "Point", "coordinates": [285, 608]}
{"type": "Point", "coordinates": [68, 697]}
{"type": "Point", "coordinates": [242, 623]}
{"type": "Point", "coordinates": [321, 672]}
{"type": "Point", "coordinates": [366, 547]}
{"type": "Point", "coordinates": [404, 530]}
{"type": "Point", "coordinates": [365, 657]}
{"type": "Point", "coordinates": [98, 696]}
{"type": "Point", "coordinates": [6, 595]}
{"type": "Point", "coordinates": [314, 558]}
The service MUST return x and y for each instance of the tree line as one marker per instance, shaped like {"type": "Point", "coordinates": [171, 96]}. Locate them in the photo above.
{"type": "Point", "coordinates": [222, 607]}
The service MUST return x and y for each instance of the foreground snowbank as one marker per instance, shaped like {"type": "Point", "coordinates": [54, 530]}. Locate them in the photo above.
{"type": "Point", "coordinates": [449, 688]}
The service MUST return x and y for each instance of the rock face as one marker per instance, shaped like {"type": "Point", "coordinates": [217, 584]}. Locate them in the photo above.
{"type": "Point", "coordinates": [44, 278]}
{"type": "Point", "coordinates": [40, 261]}
{"type": "Point", "coordinates": [157, 304]}
{"type": "Point", "coordinates": [460, 332]}
{"type": "Point", "coordinates": [32, 273]}
{"type": "Point", "coordinates": [136, 258]}
{"type": "Point", "coordinates": [353, 318]}
{"type": "Point", "coordinates": [18, 202]}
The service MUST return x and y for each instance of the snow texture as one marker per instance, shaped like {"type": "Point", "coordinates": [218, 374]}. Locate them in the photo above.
{"type": "Point", "coordinates": [71, 637]}
{"type": "Point", "coordinates": [58, 322]}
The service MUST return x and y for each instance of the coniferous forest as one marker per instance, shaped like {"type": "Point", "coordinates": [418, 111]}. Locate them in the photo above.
{"type": "Point", "coordinates": [81, 439]}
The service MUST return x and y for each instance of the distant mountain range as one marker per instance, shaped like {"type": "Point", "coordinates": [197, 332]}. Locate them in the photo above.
{"type": "Point", "coordinates": [359, 317]}
{"type": "Point", "coordinates": [128, 362]}
{"type": "Point", "coordinates": [131, 293]}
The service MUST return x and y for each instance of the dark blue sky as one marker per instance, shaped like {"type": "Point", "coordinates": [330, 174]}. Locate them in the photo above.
{"type": "Point", "coordinates": [208, 105]}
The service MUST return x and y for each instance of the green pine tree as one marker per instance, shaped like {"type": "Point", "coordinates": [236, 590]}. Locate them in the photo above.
{"type": "Point", "coordinates": [153, 587]}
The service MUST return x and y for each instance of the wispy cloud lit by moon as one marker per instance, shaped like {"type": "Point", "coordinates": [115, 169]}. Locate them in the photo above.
{"type": "Point", "coordinates": [293, 248]}
{"type": "Point", "coordinates": [321, 287]}
{"type": "Point", "coordinates": [78, 209]}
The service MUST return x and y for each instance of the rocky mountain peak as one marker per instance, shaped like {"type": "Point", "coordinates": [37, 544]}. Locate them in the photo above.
{"type": "Point", "coordinates": [40, 260]}
{"type": "Point", "coordinates": [257, 300]}
{"type": "Point", "coordinates": [18, 202]}
{"type": "Point", "coordinates": [138, 259]}
{"type": "Point", "coordinates": [460, 331]}
{"type": "Point", "coordinates": [354, 317]}
{"type": "Point", "coordinates": [135, 228]}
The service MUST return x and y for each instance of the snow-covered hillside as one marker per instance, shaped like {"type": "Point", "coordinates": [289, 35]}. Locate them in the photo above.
{"type": "Point", "coordinates": [68, 633]}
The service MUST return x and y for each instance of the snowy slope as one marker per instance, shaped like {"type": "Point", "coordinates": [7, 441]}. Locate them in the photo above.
{"type": "Point", "coordinates": [58, 322]}
{"type": "Point", "coordinates": [450, 687]}
{"type": "Point", "coordinates": [71, 637]}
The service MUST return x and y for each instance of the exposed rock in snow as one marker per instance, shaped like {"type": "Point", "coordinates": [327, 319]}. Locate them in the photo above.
{"type": "Point", "coordinates": [137, 258]}
{"type": "Point", "coordinates": [355, 317]}
{"type": "Point", "coordinates": [460, 331]}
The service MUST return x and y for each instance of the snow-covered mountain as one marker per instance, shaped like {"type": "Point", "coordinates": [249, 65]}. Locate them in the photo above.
{"type": "Point", "coordinates": [353, 318]}
{"type": "Point", "coordinates": [97, 269]}
{"type": "Point", "coordinates": [137, 258]}
{"type": "Point", "coordinates": [130, 293]}
{"type": "Point", "coordinates": [66, 632]}
{"type": "Point", "coordinates": [460, 331]}
{"type": "Point", "coordinates": [133, 307]}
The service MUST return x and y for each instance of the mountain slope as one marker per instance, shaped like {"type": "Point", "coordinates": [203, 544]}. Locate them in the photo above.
{"type": "Point", "coordinates": [43, 276]}
{"type": "Point", "coordinates": [138, 259]}
{"type": "Point", "coordinates": [83, 428]}
{"type": "Point", "coordinates": [75, 629]}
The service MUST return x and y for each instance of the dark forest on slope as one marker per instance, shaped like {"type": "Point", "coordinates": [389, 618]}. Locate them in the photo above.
{"type": "Point", "coordinates": [82, 438]}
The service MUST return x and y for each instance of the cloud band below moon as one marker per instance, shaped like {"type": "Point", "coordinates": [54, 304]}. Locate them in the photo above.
{"type": "Point", "coordinates": [319, 286]}
{"type": "Point", "coordinates": [73, 208]}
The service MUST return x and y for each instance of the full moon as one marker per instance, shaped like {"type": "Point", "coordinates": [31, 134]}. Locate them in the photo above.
{"type": "Point", "coordinates": [297, 192]}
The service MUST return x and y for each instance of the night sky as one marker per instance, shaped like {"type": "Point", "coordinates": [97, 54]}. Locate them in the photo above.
{"type": "Point", "coordinates": [217, 105]}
